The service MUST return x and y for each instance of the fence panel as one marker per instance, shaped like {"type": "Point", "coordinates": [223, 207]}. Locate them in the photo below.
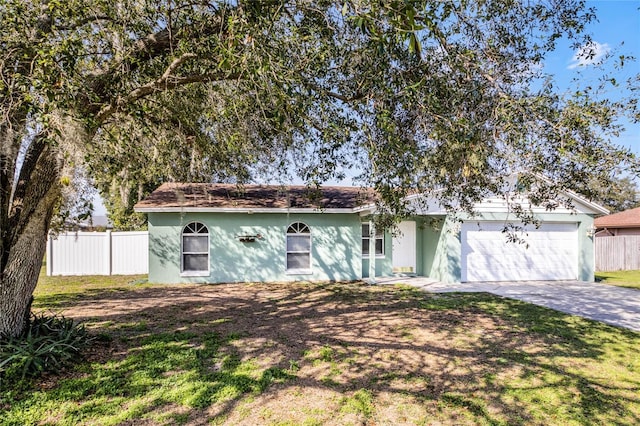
{"type": "Point", "coordinates": [632, 252]}
{"type": "Point", "coordinates": [98, 253]}
{"type": "Point", "coordinates": [129, 253]}
{"type": "Point", "coordinates": [618, 253]}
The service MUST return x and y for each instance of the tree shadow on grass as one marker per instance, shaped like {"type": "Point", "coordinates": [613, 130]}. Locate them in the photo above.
{"type": "Point", "coordinates": [225, 351]}
{"type": "Point", "coordinates": [167, 369]}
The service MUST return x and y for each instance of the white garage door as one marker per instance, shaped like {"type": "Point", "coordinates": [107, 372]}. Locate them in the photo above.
{"type": "Point", "coordinates": [552, 253]}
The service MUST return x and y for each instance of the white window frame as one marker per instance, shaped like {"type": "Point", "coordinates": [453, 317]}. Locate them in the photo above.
{"type": "Point", "coordinates": [299, 231]}
{"type": "Point", "coordinates": [366, 236]}
{"type": "Point", "coordinates": [197, 226]}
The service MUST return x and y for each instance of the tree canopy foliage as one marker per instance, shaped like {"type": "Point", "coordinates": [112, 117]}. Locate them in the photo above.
{"type": "Point", "coordinates": [444, 98]}
{"type": "Point", "coordinates": [618, 194]}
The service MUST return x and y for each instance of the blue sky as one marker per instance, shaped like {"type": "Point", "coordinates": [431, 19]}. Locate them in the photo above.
{"type": "Point", "coordinates": [617, 32]}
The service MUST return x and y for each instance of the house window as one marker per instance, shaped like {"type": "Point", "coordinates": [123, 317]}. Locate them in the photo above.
{"type": "Point", "coordinates": [195, 249]}
{"type": "Point", "coordinates": [298, 249]}
{"type": "Point", "coordinates": [366, 236]}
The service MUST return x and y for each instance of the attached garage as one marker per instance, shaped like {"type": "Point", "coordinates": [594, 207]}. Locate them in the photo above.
{"type": "Point", "coordinates": [550, 252]}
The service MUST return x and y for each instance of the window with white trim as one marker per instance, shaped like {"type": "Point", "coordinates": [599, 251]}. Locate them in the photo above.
{"type": "Point", "coordinates": [298, 249]}
{"type": "Point", "coordinates": [366, 236]}
{"type": "Point", "coordinates": [195, 249]}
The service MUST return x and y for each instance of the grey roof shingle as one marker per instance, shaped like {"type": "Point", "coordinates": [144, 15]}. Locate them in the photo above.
{"type": "Point", "coordinates": [218, 195]}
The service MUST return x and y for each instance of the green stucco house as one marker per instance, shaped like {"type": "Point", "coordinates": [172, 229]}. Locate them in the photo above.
{"type": "Point", "coordinates": [218, 233]}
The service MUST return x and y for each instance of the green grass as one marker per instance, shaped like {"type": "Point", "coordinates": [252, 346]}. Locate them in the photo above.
{"type": "Point", "coordinates": [51, 291]}
{"type": "Point", "coordinates": [167, 369]}
{"type": "Point", "coordinates": [331, 353]}
{"type": "Point", "coordinates": [629, 279]}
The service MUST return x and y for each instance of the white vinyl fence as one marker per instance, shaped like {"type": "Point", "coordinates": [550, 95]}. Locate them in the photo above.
{"type": "Point", "coordinates": [98, 253]}
{"type": "Point", "coordinates": [619, 253]}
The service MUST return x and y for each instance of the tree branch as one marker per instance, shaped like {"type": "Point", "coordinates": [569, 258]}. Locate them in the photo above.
{"type": "Point", "coordinates": [343, 98]}
{"type": "Point", "coordinates": [151, 46]}
{"type": "Point", "coordinates": [83, 22]}
{"type": "Point", "coordinates": [176, 63]}
{"type": "Point", "coordinates": [29, 164]}
{"type": "Point", "coordinates": [164, 83]}
{"type": "Point", "coordinates": [38, 175]}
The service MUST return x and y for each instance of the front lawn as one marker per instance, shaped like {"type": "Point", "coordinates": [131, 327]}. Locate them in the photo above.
{"type": "Point", "coordinates": [313, 354]}
{"type": "Point", "coordinates": [61, 286]}
{"type": "Point", "coordinates": [630, 279]}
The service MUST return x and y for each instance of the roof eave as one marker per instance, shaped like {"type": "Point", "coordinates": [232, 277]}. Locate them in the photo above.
{"type": "Point", "coordinates": [623, 226]}
{"type": "Point", "coordinates": [598, 209]}
{"type": "Point", "coordinates": [248, 210]}
{"type": "Point", "coordinates": [595, 207]}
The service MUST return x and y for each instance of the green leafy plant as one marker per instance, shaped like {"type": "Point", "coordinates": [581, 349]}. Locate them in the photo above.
{"type": "Point", "coordinates": [361, 402]}
{"type": "Point", "coordinates": [326, 354]}
{"type": "Point", "coordinates": [49, 343]}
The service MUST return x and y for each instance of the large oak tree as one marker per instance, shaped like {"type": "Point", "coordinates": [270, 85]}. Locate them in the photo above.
{"type": "Point", "coordinates": [439, 97]}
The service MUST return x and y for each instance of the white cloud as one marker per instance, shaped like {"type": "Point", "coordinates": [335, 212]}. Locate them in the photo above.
{"type": "Point", "coordinates": [589, 54]}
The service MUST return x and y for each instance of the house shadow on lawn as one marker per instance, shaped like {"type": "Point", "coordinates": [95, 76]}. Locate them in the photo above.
{"type": "Point", "coordinates": [343, 353]}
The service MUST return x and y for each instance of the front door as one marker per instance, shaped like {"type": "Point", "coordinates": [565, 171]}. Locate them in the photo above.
{"type": "Point", "coordinates": [404, 249]}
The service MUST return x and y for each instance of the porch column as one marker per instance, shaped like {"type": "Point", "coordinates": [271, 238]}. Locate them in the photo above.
{"type": "Point", "coordinates": [372, 251]}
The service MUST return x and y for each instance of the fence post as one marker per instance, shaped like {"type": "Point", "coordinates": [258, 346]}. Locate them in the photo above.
{"type": "Point", "coordinates": [49, 255]}
{"type": "Point", "coordinates": [107, 251]}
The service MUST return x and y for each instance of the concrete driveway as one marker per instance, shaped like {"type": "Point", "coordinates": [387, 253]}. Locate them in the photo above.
{"type": "Point", "coordinates": [609, 304]}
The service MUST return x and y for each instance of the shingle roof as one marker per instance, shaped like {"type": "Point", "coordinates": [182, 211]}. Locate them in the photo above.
{"type": "Point", "coordinates": [626, 219]}
{"type": "Point", "coordinates": [230, 196]}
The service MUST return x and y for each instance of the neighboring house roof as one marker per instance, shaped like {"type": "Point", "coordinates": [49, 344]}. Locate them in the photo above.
{"type": "Point", "coordinates": [91, 223]}
{"type": "Point", "coordinates": [626, 219]}
{"type": "Point", "coordinates": [253, 198]}
{"type": "Point", "coordinates": [100, 220]}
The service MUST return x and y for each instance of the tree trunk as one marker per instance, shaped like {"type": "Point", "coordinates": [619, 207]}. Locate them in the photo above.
{"type": "Point", "coordinates": [19, 281]}
{"type": "Point", "coordinates": [37, 192]}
